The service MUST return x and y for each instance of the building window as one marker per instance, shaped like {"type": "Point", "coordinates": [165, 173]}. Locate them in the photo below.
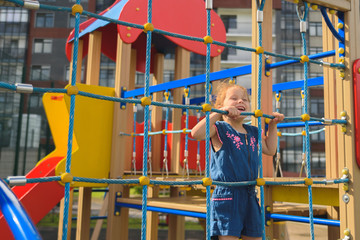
{"type": "Point", "coordinates": [43, 45]}
{"type": "Point", "coordinates": [229, 21]}
{"type": "Point", "coordinates": [67, 73]}
{"type": "Point", "coordinates": [107, 77]}
{"type": "Point", "coordinates": [168, 76]}
{"type": "Point", "coordinates": [228, 51]}
{"type": "Point", "coordinates": [139, 79]}
{"type": "Point", "coordinates": [40, 73]}
{"type": "Point", "coordinates": [317, 107]}
{"type": "Point", "coordinates": [44, 20]}
{"type": "Point", "coordinates": [72, 20]}
{"type": "Point", "coordinates": [315, 50]}
{"type": "Point", "coordinates": [315, 29]}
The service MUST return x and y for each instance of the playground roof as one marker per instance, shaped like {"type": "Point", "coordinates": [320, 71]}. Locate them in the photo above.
{"type": "Point", "coordinates": [186, 17]}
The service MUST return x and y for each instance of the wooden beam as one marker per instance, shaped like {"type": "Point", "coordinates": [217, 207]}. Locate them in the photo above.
{"type": "Point", "coordinates": [120, 154]}
{"type": "Point", "coordinates": [61, 216]}
{"type": "Point", "coordinates": [176, 222]}
{"type": "Point", "coordinates": [152, 217]}
{"type": "Point", "coordinates": [341, 5]}
{"type": "Point", "coordinates": [94, 55]}
{"type": "Point", "coordinates": [182, 70]}
{"type": "Point", "coordinates": [84, 213]}
{"type": "Point", "coordinates": [156, 116]}
{"type": "Point", "coordinates": [349, 219]}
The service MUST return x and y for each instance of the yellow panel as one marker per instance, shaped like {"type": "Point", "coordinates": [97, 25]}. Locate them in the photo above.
{"type": "Point", "coordinates": [93, 123]}
{"type": "Point", "coordinates": [321, 196]}
{"type": "Point", "coordinates": [58, 118]}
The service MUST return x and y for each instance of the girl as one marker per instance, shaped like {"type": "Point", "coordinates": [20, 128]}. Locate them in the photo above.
{"type": "Point", "coordinates": [235, 211]}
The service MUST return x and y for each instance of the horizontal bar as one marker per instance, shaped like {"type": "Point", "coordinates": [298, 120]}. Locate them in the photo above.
{"type": "Point", "coordinates": [227, 73]}
{"type": "Point", "coordinates": [313, 56]}
{"type": "Point", "coordinates": [92, 218]}
{"type": "Point", "coordinates": [298, 124]}
{"type": "Point", "coordinates": [163, 210]}
{"type": "Point", "coordinates": [297, 84]}
{"type": "Point", "coordinates": [320, 221]}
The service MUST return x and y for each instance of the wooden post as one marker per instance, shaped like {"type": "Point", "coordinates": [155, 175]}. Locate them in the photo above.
{"type": "Point", "coordinates": [84, 213]}
{"type": "Point", "coordinates": [349, 217]}
{"type": "Point", "coordinates": [92, 78]}
{"type": "Point", "coordinates": [176, 222]}
{"type": "Point", "coordinates": [156, 116]}
{"type": "Point", "coordinates": [61, 216]}
{"type": "Point", "coordinates": [182, 70]}
{"type": "Point", "coordinates": [94, 56]}
{"type": "Point", "coordinates": [152, 217]}
{"type": "Point", "coordinates": [98, 225]}
{"type": "Point", "coordinates": [121, 154]}
{"type": "Point", "coordinates": [330, 112]}
{"type": "Point", "coordinates": [266, 88]}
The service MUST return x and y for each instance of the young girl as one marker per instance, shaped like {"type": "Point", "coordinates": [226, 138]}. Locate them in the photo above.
{"type": "Point", "coordinates": [235, 211]}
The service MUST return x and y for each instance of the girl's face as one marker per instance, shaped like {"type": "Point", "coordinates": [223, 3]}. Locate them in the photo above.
{"type": "Point", "coordinates": [238, 98]}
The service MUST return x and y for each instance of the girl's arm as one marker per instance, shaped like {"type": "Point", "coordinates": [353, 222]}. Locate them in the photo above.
{"type": "Point", "coordinates": [199, 130]}
{"type": "Point", "coordinates": [270, 141]}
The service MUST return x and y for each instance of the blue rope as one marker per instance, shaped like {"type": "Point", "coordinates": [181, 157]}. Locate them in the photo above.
{"type": "Point", "coordinates": [146, 120]}
{"type": "Point", "coordinates": [71, 127]}
{"type": "Point", "coordinates": [207, 101]}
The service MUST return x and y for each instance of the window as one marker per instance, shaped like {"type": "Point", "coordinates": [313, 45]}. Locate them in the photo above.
{"type": "Point", "coordinates": [44, 20]}
{"type": "Point", "coordinates": [228, 50]}
{"type": "Point", "coordinates": [67, 73]}
{"type": "Point", "coordinates": [168, 76]}
{"type": "Point", "coordinates": [315, 29]}
{"type": "Point", "coordinates": [229, 21]}
{"type": "Point", "coordinates": [140, 79]}
{"type": "Point", "coordinates": [14, 15]}
{"type": "Point", "coordinates": [107, 77]}
{"type": "Point", "coordinates": [40, 73]}
{"type": "Point", "coordinates": [315, 50]}
{"type": "Point", "coordinates": [72, 20]}
{"type": "Point", "coordinates": [317, 107]}
{"type": "Point", "coordinates": [42, 45]}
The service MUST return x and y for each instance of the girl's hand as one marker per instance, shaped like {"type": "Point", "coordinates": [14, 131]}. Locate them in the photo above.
{"type": "Point", "coordinates": [234, 113]}
{"type": "Point", "coordinates": [278, 117]}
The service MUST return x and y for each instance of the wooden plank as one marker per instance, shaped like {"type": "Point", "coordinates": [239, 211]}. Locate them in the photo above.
{"type": "Point", "coordinates": [79, 62]}
{"type": "Point", "coordinates": [176, 223]}
{"type": "Point", "coordinates": [297, 194]}
{"type": "Point", "coordinates": [182, 70]}
{"type": "Point", "coordinates": [94, 55]}
{"type": "Point", "coordinates": [152, 217]}
{"type": "Point", "coordinates": [266, 83]}
{"type": "Point", "coordinates": [84, 213]}
{"type": "Point", "coordinates": [330, 109]}
{"type": "Point", "coordinates": [156, 116]}
{"type": "Point", "coordinates": [98, 225]}
{"type": "Point", "coordinates": [120, 153]}
{"type": "Point", "coordinates": [61, 216]}
{"type": "Point", "coordinates": [348, 212]}
{"type": "Point", "coordinates": [341, 5]}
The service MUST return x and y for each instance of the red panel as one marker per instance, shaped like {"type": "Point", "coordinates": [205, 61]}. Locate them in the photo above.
{"type": "Point", "coordinates": [186, 17]}
{"type": "Point", "coordinates": [37, 198]}
{"type": "Point", "coordinates": [356, 75]}
{"type": "Point", "coordinates": [192, 146]}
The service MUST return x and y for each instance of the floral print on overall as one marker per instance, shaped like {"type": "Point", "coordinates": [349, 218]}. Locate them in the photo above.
{"type": "Point", "coordinates": [236, 139]}
{"type": "Point", "coordinates": [252, 143]}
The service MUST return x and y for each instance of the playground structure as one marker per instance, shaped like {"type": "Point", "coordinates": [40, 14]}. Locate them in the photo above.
{"type": "Point", "coordinates": [116, 156]}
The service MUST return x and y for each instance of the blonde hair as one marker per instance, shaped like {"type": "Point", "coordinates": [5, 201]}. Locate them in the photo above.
{"type": "Point", "coordinates": [221, 93]}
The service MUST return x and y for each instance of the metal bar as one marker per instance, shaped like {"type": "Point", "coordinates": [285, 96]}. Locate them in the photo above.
{"type": "Point", "coordinates": [313, 56]}
{"type": "Point", "coordinates": [297, 84]}
{"type": "Point", "coordinates": [320, 221]}
{"type": "Point", "coordinates": [298, 124]}
{"type": "Point", "coordinates": [163, 210]}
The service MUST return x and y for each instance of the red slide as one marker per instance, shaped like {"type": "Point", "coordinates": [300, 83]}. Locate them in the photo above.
{"type": "Point", "coordinates": [37, 198]}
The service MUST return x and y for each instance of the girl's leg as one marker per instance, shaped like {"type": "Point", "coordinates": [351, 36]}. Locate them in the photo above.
{"type": "Point", "coordinates": [250, 238]}
{"type": "Point", "coordinates": [228, 238]}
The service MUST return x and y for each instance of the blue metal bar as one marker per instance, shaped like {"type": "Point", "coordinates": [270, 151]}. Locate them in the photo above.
{"type": "Point", "coordinates": [297, 84]}
{"type": "Point", "coordinates": [239, 71]}
{"type": "Point", "coordinates": [298, 124]}
{"type": "Point", "coordinates": [330, 26]}
{"type": "Point", "coordinates": [163, 210]}
{"type": "Point", "coordinates": [313, 56]}
{"type": "Point", "coordinates": [92, 218]}
{"type": "Point", "coordinates": [19, 222]}
{"type": "Point", "coordinates": [320, 221]}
